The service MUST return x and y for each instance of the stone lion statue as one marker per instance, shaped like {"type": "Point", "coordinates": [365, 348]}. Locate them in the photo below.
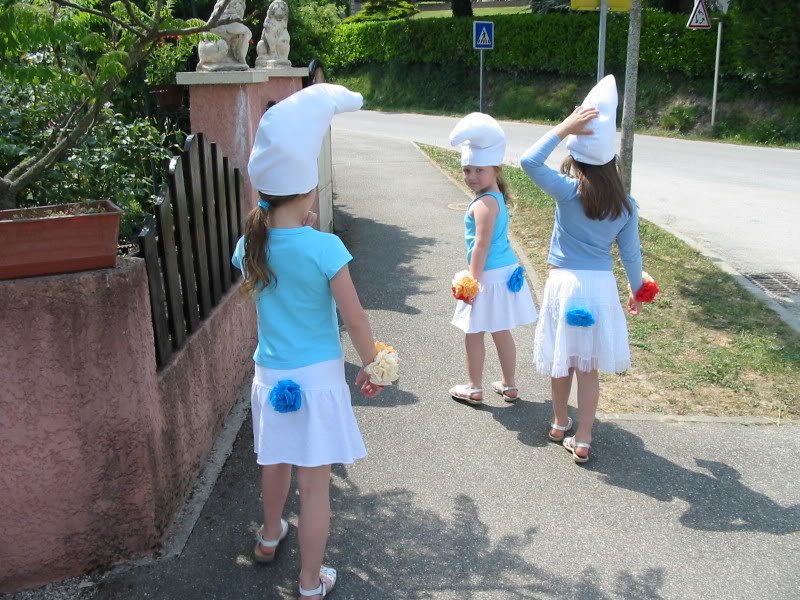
{"type": "Point", "coordinates": [273, 49]}
{"type": "Point", "coordinates": [230, 52]}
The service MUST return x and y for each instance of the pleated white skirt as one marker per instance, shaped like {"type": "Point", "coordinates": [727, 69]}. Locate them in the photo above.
{"type": "Point", "coordinates": [560, 346]}
{"type": "Point", "coordinates": [496, 307]}
{"type": "Point", "coordinates": [322, 431]}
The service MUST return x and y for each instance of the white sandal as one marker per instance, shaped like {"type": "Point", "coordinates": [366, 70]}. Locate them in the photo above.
{"type": "Point", "coordinates": [464, 393]}
{"type": "Point", "coordinates": [501, 389]}
{"type": "Point", "coordinates": [263, 557]}
{"type": "Point", "coordinates": [564, 428]}
{"type": "Point", "coordinates": [322, 589]}
{"type": "Point", "coordinates": [571, 444]}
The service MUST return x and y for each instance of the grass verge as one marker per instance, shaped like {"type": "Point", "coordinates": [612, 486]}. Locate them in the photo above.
{"type": "Point", "coordinates": [704, 347]}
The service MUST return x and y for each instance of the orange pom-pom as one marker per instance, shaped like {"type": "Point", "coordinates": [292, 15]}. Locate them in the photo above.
{"type": "Point", "coordinates": [465, 287]}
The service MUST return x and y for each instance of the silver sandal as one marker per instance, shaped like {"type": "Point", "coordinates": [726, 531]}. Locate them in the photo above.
{"type": "Point", "coordinates": [464, 393]}
{"type": "Point", "coordinates": [501, 389]}
{"type": "Point", "coordinates": [564, 428]}
{"type": "Point", "coordinates": [322, 589]}
{"type": "Point", "coordinates": [571, 444]}
{"type": "Point", "coordinates": [266, 558]}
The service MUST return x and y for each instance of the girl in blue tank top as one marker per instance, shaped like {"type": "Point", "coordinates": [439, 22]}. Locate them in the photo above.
{"type": "Point", "coordinates": [503, 300]}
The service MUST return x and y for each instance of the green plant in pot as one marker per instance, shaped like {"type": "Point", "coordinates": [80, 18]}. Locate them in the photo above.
{"type": "Point", "coordinates": [169, 57]}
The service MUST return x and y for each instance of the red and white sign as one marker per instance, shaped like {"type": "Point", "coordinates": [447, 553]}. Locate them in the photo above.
{"type": "Point", "coordinates": [699, 18]}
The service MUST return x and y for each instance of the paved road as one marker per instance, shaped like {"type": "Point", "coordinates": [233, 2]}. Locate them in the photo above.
{"type": "Point", "coordinates": [740, 204]}
{"type": "Point", "coordinates": [458, 503]}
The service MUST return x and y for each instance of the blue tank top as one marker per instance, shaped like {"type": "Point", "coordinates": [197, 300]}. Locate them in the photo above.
{"type": "Point", "coordinates": [500, 251]}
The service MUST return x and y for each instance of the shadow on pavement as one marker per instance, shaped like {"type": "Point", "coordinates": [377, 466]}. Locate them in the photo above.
{"type": "Point", "coordinates": [388, 255]}
{"type": "Point", "coordinates": [717, 502]}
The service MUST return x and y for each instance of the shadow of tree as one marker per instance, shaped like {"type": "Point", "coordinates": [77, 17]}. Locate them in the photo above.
{"type": "Point", "coordinates": [717, 502]}
{"type": "Point", "coordinates": [392, 250]}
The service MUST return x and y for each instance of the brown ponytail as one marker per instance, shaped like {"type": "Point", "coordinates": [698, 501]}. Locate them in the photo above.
{"type": "Point", "coordinates": [255, 263]}
{"type": "Point", "coordinates": [600, 188]}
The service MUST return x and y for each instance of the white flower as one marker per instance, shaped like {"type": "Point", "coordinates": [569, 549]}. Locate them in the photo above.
{"type": "Point", "coordinates": [384, 368]}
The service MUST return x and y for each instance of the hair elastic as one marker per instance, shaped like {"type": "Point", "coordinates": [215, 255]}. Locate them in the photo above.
{"type": "Point", "coordinates": [263, 204]}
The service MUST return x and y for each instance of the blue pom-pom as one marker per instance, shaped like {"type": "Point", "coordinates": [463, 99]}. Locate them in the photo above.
{"type": "Point", "coordinates": [516, 279]}
{"type": "Point", "coordinates": [580, 317]}
{"type": "Point", "coordinates": [285, 396]}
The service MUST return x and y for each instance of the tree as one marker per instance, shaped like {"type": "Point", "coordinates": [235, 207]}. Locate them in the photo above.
{"type": "Point", "coordinates": [461, 8]}
{"type": "Point", "coordinates": [81, 50]}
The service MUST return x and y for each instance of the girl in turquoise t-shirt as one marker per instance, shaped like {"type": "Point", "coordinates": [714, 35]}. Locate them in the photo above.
{"type": "Point", "coordinates": [503, 299]}
{"type": "Point", "coordinates": [298, 277]}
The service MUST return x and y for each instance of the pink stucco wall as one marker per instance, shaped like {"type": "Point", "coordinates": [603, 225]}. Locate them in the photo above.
{"type": "Point", "coordinates": [229, 115]}
{"type": "Point", "coordinates": [97, 449]}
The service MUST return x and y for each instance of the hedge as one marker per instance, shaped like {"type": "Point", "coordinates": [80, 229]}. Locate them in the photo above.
{"type": "Point", "coordinates": [557, 43]}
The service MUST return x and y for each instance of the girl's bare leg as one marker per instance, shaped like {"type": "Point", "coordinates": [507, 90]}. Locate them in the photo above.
{"type": "Point", "coordinates": [275, 481]}
{"type": "Point", "coordinates": [507, 353]}
{"type": "Point", "coordinates": [476, 355]}
{"type": "Point", "coordinates": [588, 397]}
{"type": "Point", "coordinates": [314, 522]}
{"type": "Point", "coordinates": [560, 388]}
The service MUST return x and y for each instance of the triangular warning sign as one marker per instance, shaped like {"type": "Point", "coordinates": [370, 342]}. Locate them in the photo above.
{"type": "Point", "coordinates": [484, 40]}
{"type": "Point", "coordinates": [699, 18]}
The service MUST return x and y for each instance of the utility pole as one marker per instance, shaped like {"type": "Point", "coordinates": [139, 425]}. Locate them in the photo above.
{"type": "Point", "coordinates": [601, 44]}
{"type": "Point", "coordinates": [631, 81]}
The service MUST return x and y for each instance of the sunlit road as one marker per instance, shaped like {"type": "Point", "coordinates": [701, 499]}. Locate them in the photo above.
{"type": "Point", "coordinates": [740, 204]}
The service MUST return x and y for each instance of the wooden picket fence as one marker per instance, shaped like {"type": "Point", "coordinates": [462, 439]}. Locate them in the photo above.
{"type": "Point", "coordinates": [187, 245]}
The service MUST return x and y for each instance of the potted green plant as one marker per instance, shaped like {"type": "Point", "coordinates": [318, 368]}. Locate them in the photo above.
{"type": "Point", "coordinates": [46, 240]}
{"type": "Point", "coordinates": [169, 57]}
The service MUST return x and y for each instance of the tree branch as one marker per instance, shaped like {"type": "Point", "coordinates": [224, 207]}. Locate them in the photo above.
{"type": "Point", "coordinates": [134, 18]}
{"type": "Point", "coordinates": [100, 13]}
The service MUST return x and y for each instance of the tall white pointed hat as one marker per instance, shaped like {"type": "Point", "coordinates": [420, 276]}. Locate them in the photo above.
{"type": "Point", "coordinates": [289, 138]}
{"type": "Point", "coordinates": [483, 143]}
{"type": "Point", "coordinates": [599, 147]}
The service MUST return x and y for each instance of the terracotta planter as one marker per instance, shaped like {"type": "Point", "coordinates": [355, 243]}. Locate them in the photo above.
{"type": "Point", "coordinates": [32, 243]}
{"type": "Point", "coordinates": [168, 96]}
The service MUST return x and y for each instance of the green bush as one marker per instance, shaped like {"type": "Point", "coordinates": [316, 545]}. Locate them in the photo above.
{"type": "Point", "coordinates": [122, 160]}
{"type": "Point", "coordinates": [553, 43]}
{"type": "Point", "coordinates": [383, 10]}
{"type": "Point", "coordinates": [766, 41]}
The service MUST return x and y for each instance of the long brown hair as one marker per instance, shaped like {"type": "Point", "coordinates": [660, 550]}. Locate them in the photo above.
{"type": "Point", "coordinates": [599, 187]}
{"type": "Point", "coordinates": [255, 264]}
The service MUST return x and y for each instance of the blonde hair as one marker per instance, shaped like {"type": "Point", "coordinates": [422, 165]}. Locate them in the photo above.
{"type": "Point", "coordinates": [503, 186]}
{"type": "Point", "coordinates": [255, 263]}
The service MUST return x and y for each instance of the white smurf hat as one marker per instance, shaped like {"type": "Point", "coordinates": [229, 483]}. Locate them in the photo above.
{"type": "Point", "coordinates": [599, 147]}
{"type": "Point", "coordinates": [483, 143]}
{"type": "Point", "coordinates": [289, 138]}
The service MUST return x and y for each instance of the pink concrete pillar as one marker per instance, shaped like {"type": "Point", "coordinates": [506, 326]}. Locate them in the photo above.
{"type": "Point", "coordinates": [227, 107]}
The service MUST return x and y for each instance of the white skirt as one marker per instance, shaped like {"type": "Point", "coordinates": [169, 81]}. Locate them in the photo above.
{"type": "Point", "coordinates": [323, 431]}
{"type": "Point", "coordinates": [560, 346]}
{"type": "Point", "coordinates": [496, 308]}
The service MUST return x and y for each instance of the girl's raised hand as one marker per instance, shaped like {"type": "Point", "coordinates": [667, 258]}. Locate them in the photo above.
{"type": "Point", "coordinates": [576, 123]}
{"type": "Point", "coordinates": [368, 389]}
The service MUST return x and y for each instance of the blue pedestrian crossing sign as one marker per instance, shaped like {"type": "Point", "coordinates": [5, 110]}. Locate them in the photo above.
{"type": "Point", "coordinates": [482, 35]}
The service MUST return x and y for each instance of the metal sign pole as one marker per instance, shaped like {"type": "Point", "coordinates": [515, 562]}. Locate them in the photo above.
{"type": "Point", "coordinates": [480, 100]}
{"type": "Point", "coordinates": [601, 46]}
{"type": "Point", "coordinates": [716, 75]}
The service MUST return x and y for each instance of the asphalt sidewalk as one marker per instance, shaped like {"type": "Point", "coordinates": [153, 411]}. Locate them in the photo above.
{"type": "Point", "coordinates": [455, 502]}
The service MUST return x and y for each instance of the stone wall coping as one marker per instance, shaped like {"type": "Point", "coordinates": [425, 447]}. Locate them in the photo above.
{"type": "Point", "coordinates": [238, 77]}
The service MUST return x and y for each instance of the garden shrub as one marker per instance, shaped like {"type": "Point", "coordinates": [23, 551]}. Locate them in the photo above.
{"type": "Point", "coordinates": [383, 10]}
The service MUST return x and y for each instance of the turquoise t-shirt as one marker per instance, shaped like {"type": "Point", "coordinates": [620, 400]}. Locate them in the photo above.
{"type": "Point", "coordinates": [500, 252]}
{"type": "Point", "coordinates": [297, 323]}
